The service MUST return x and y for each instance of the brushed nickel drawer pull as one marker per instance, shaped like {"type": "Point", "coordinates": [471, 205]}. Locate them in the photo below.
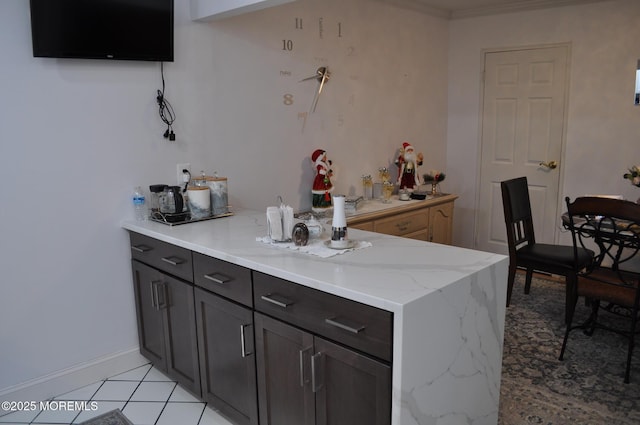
{"type": "Point", "coordinates": [353, 328]}
{"type": "Point", "coordinates": [218, 278]}
{"type": "Point", "coordinates": [141, 248]}
{"type": "Point", "coordinates": [243, 347]}
{"type": "Point", "coordinates": [174, 261]}
{"type": "Point", "coordinates": [316, 373]}
{"type": "Point", "coordinates": [155, 296]}
{"type": "Point", "coordinates": [152, 287]}
{"type": "Point", "coordinates": [302, 352]}
{"type": "Point", "coordinates": [281, 302]}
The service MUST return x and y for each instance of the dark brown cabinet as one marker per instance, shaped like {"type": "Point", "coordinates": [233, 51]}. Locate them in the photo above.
{"type": "Point", "coordinates": [260, 349]}
{"type": "Point", "coordinates": [305, 379]}
{"type": "Point", "coordinates": [224, 317]}
{"type": "Point", "coordinates": [284, 387]}
{"type": "Point", "coordinates": [166, 324]}
{"type": "Point", "coordinates": [227, 357]}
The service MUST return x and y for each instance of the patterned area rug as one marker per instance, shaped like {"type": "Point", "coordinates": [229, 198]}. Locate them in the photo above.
{"type": "Point", "coordinates": [585, 388]}
{"type": "Point", "coordinates": [113, 417]}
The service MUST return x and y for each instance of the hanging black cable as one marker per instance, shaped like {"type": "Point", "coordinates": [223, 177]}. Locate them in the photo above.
{"type": "Point", "coordinates": [165, 109]}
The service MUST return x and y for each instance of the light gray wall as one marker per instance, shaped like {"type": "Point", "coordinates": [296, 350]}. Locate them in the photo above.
{"type": "Point", "coordinates": [77, 135]}
{"type": "Point", "coordinates": [603, 126]}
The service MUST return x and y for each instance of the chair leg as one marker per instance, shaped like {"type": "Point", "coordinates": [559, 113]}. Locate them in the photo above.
{"type": "Point", "coordinates": [634, 319]}
{"type": "Point", "coordinates": [571, 298]}
{"type": "Point", "coordinates": [590, 324]}
{"type": "Point", "coordinates": [511, 277]}
{"type": "Point", "coordinates": [527, 282]}
{"type": "Point", "coordinates": [569, 318]}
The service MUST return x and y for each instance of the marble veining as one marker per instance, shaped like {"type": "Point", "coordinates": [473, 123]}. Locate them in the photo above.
{"type": "Point", "coordinates": [448, 305]}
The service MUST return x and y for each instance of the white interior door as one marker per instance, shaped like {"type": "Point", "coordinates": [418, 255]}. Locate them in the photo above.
{"type": "Point", "coordinates": [523, 126]}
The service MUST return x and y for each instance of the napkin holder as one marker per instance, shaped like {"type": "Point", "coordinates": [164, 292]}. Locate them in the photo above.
{"type": "Point", "coordinates": [280, 223]}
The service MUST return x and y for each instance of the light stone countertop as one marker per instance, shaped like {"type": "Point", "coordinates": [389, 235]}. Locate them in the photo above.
{"type": "Point", "coordinates": [393, 272]}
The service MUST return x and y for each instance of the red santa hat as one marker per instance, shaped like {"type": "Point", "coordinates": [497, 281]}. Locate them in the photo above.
{"type": "Point", "coordinates": [406, 146]}
{"type": "Point", "coordinates": [317, 155]}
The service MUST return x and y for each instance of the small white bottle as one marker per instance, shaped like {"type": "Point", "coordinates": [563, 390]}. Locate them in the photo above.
{"type": "Point", "coordinates": [139, 204]}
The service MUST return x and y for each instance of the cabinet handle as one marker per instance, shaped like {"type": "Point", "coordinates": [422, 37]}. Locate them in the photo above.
{"type": "Point", "coordinates": [353, 328]}
{"type": "Point", "coordinates": [141, 248]}
{"type": "Point", "coordinates": [155, 298]}
{"type": "Point", "coordinates": [218, 278]}
{"type": "Point", "coordinates": [302, 368]}
{"type": "Point", "coordinates": [316, 373]}
{"type": "Point", "coordinates": [174, 261]}
{"type": "Point", "coordinates": [281, 302]}
{"type": "Point", "coordinates": [243, 347]}
{"type": "Point", "coordinates": [161, 289]}
{"type": "Point", "coordinates": [152, 286]}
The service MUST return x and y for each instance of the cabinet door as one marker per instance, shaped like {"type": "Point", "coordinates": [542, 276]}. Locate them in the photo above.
{"type": "Point", "coordinates": [283, 355]}
{"type": "Point", "coordinates": [146, 283]}
{"type": "Point", "coordinates": [227, 357]}
{"type": "Point", "coordinates": [441, 223]}
{"type": "Point", "coordinates": [181, 338]}
{"type": "Point", "coordinates": [350, 388]}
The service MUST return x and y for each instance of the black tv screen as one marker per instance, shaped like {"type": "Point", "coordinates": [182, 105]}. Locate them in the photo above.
{"type": "Point", "coordinates": [103, 29]}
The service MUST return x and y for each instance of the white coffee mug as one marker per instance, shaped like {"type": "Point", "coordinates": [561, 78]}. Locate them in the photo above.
{"type": "Point", "coordinates": [199, 201]}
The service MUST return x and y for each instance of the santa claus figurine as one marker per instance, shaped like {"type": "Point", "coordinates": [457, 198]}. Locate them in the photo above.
{"type": "Point", "coordinates": [408, 162]}
{"type": "Point", "coordinates": [322, 186]}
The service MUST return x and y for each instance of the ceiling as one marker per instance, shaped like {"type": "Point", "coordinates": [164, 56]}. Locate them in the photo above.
{"type": "Point", "coordinates": [456, 9]}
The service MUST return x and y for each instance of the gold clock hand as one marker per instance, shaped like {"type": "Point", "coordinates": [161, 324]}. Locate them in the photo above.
{"type": "Point", "coordinates": [317, 76]}
{"type": "Point", "coordinates": [325, 77]}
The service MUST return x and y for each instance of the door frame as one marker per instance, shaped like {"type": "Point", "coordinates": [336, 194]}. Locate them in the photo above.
{"type": "Point", "coordinates": [563, 141]}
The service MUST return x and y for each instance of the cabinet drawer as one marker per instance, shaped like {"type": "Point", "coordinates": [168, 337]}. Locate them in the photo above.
{"type": "Point", "coordinates": [402, 224]}
{"type": "Point", "coordinates": [161, 255]}
{"type": "Point", "coordinates": [362, 327]}
{"type": "Point", "coordinates": [223, 278]}
{"type": "Point", "coordinates": [366, 225]}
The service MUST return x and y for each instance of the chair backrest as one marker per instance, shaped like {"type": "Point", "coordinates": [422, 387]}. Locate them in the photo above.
{"type": "Point", "coordinates": [517, 213]}
{"type": "Point", "coordinates": [613, 225]}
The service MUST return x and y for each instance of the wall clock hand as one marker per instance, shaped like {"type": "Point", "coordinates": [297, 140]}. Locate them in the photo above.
{"type": "Point", "coordinates": [323, 77]}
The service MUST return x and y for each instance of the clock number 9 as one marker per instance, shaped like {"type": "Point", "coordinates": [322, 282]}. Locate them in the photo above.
{"type": "Point", "coordinates": [287, 45]}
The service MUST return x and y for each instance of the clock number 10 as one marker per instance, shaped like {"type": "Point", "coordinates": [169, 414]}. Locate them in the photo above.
{"type": "Point", "coordinates": [287, 45]}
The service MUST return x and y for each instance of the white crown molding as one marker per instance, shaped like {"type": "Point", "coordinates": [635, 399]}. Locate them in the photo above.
{"type": "Point", "coordinates": [511, 7]}
{"type": "Point", "coordinates": [419, 6]}
{"type": "Point", "coordinates": [519, 6]}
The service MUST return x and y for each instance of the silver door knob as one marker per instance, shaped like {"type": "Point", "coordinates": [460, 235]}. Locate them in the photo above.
{"type": "Point", "coordinates": [550, 165]}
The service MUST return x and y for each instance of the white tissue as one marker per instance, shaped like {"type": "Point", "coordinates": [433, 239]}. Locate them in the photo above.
{"type": "Point", "coordinates": [280, 222]}
{"type": "Point", "coordinates": [287, 221]}
{"type": "Point", "coordinates": [274, 222]}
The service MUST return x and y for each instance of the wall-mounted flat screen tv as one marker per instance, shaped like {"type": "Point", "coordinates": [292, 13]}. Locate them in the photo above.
{"type": "Point", "coordinates": [103, 29]}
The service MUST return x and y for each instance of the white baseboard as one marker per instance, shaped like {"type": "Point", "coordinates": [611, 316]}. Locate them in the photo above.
{"type": "Point", "coordinates": [62, 381]}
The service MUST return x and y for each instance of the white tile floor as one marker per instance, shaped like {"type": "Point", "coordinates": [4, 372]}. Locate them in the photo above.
{"type": "Point", "coordinates": [144, 395]}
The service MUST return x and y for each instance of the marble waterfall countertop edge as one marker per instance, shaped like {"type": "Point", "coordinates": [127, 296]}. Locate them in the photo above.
{"type": "Point", "coordinates": [390, 274]}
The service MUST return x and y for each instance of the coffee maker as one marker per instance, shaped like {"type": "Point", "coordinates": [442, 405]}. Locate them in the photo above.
{"type": "Point", "coordinates": [167, 204]}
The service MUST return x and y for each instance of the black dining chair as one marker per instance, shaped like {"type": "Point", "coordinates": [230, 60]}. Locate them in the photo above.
{"type": "Point", "coordinates": [525, 252]}
{"type": "Point", "coordinates": [613, 226]}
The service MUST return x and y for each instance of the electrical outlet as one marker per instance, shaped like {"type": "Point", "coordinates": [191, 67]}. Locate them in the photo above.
{"type": "Point", "coordinates": [179, 174]}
